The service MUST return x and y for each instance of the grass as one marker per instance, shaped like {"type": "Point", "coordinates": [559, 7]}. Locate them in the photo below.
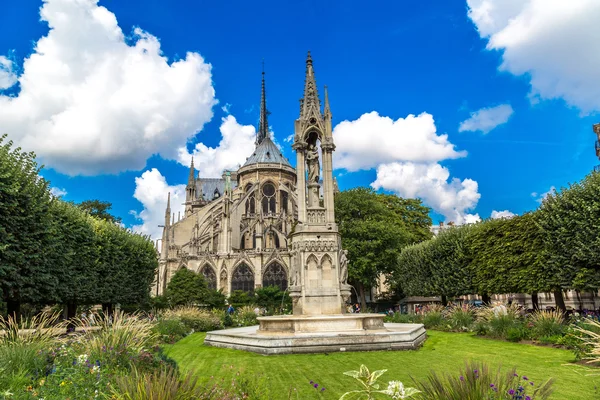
{"type": "Point", "coordinates": [442, 352]}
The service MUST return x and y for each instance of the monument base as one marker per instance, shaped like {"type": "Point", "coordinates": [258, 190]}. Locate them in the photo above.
{"type": "Point", "coordinates": [319, 334]}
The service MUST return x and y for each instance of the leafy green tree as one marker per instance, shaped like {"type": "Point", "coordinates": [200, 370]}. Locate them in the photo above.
{"type": "Point", "coordinates": [273, 299]}
{"type": "Point", "coordinates": [374, 228]}
{"type": "Point", "coordinates": [99, 209]}
{"type": "Point", "coordinates": [214, 299]}
{"type": "Point", "coordinates": [239, 298]}
{"type": "Point", "coordinates": [186, 287]}
{"type": "Point", "coordinates": [24, 229]}
{"type": "Point", "coordinates": [570, 221]}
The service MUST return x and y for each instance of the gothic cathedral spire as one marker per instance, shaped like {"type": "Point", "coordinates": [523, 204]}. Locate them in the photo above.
{"type": "Point", "coordinates": [190, 190]}
{"type": "Point", "coordinates": [263, 125]}
{"type": "Point", "coordinates": [310, 103]}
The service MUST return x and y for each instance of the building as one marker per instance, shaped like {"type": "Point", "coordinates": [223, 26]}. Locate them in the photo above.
{"type": "Point", "coordinates": [236, 230]}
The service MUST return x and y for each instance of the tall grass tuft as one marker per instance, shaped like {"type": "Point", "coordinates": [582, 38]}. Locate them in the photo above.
{"type": "Point", "coordinates": [548, 323]}
{"type": "Point", "coordinates": [501, 319]}
{"type": "Point", "coordinates": [589, 335]}
{"type": "Point", "coordinates": [432, 315]}
{"type": "Point", "coordinates": [159, 385]}
{"type": "Point", "coordinates": [23, 346]}
{"type": "Point", "coordinates": [477, 381]}
{"type": "Point", "coordinates": [119, 334]}
{"type": "Point", "coordinates": [461, 317]}
{"type": "Point", "coordinates": [195, 318]}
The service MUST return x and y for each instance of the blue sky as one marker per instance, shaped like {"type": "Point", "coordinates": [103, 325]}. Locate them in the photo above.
{"type": "Point", "coordinates": [113, 120]}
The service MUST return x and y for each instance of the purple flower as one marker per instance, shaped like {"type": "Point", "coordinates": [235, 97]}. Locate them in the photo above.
{"type": "Point", "coordinates": [491, 385]}
{"type": "Point", "coordinates": [524, 377]}
{"type": "Point", "coordinates": [462, 378]}
{"type": "Point", "coordinates": [323, 389]}
{"type": "Point", "coordinates": [516, 374]}
{"type": "Point", "coordinates": [527, 398]}
{"type": "Point", "coordinates": [316, 385]}
{"type": "Point", "coordinates": [511, 392]}
{"type": "Point", "coordinates": [311, 382]}
{"type": "Point", "coordinates": [531, 383]}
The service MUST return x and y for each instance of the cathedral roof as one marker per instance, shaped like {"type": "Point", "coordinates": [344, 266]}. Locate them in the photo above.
{"type": "Point", "coordinates": [267, 153]}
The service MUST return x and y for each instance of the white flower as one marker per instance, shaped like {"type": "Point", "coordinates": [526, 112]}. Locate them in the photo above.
{"type": "Point", "coordinates": [7, 394]}
{"type": "Point", "coordinates": [396, 390]}
{"type": "Point", "coordinates": [95, 369]}
{"type": "Point", "coordinates": [82, 358]}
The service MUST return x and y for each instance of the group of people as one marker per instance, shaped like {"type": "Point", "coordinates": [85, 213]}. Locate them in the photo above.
{"type": "Point", "coordinates": [353, 308]}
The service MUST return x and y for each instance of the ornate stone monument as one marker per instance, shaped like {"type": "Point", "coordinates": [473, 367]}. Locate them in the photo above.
{"type": "Point", "coordinates": [319, 266]}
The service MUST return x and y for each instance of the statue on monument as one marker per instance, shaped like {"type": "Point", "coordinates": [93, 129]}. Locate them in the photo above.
{"type": "Point", "coordinates": [294, 278]}
{"type": "Point", "coordinates": [344, 267]}
{"type": "Point", "coordinates": [312, 159]}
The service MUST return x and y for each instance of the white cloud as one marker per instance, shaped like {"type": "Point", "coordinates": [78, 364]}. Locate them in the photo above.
{"type": "Point", "coordinates": [540, 197]}
{"type": "Point", "coordinates": [8, 77]}
{"type": "Point", "coordinates": [553, 42]}
{"type": "Point", "coordinates": [289, 138]}
{"type": "Point", "coordinates": [226, 108]}
{"type": "Point", "coordinates": [92, 100]}
{"type": "Point", "coordinates": [373, 139]}
{"type": "Point", "coordinates": [57, 192]}
{"type": "Point", "coordinates": [236, 144]}
{"type": "Point", "coordinates": [487, 118]}
{"type": "Point", "coordinates": [452, 198]}
{"type": "Point", "coordinates": [151, 190]}
{"type": "Point", "coordinates": [502, 214]}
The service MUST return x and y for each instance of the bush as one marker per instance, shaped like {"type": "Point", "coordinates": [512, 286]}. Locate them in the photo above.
{"type": "Point", "coordinates": [547, 323]}
{"type": "Point", "coordinates": [404, 318]}
{"type": "Point", "coordinates": [163, 384]}
{"type": "Point", "coordinates": [239, 298]}
{"type": "Point", "coordinates": [516, 333]}
{"type": "Point", "coordinates": [460, 317]}
{"type": "Point", "coordinates": [476, 381]}
{"type": "Point", "coordinates": [195, 319]}
{"type": "Point", "coordinates": [171, 330]}
{"type": "Point", "coordinates": [481, 328]}
{"type": "Point", "coordinates": [272, 299]}
{"type": "Point", "coordinates": [245, 316]}
{"type": "Point", "coordinates": [500, 319]}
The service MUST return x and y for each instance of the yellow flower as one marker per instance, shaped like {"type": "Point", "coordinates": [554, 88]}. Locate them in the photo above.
{"type": "Point", "coordinates": [29, 388]}
{"type": "Point", "coordinates": [63, 383]}
{"type": "Point", "coordinates": [42, 382]}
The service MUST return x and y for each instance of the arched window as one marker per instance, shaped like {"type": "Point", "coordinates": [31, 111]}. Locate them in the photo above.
{"type": "Point", "coordinates": [250, 205]}
{"type": "Point", "coordinates": [275, 275]}
{"type": "Point", "coordinates": [268, 200]}
{"type": "Point", "coordinates": [216, 194]}
{"type": "Point", "coordinates": [210, 276]}
{"type": "Point", "coordinates": [242, 279]}
{"type": "Point", "coordinates": [283, 196]}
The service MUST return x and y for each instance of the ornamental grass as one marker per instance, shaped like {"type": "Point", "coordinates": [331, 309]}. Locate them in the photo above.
{"type": "Point", "coordinates": [478, 381]}
{"type": "Point", "coordinates": [548, 323]}
{"type": "Point", "coordinates": [461, 317]}
{"type": "Point", "coordinates": [589, 335]}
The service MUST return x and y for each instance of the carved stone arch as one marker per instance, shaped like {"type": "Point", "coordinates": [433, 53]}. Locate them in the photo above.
{"type": "Point", "coordinates": [243, 258]}
{"type": "Point", "coordinates": [308, 136]}
{"type": "Point", "coordinates": [313, 272]}
{"type": "Point", "coordinates": [327, 271]}
{"type": "Point", "coordinates": [275, 273]}
{"type": "Point", "coordinates": [209, 272]}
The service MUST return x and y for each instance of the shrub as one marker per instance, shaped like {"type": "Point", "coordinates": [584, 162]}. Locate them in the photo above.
{"type": "Point", "coordinates": [547, 323]}
{"type": "Point", "coordinates": [500, 319]}
{"type": "Point", "coordinates": [273, 300]}
{"type": "Point", "coordinates": [370, 387]}
{"type": "Point", "coordinates": [481, 328]}
{"type": "Point", "coordinates": [460, 317]}
{"type": "Point", "coordinates": [516, 333]}
{"type": "Point", "coordinates": [239, 298]}
{"type": "Point", "coordinates": [119, 334]}
{"type": "Point", "coordinates": [163, 384]}
{"type": "Point", "coordinates": [476, 381]}
{"type": "Point", "coordinates": [195, 319]}
{"type": "Point", "coordinates": [404, 318]}
{"type": "Point", "coordinates": [245, 316]}
{"type": "Point", "coordinates": [171, 330]}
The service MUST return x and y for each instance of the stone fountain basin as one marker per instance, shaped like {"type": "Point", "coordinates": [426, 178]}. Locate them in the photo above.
{"type": "Point", "coordinates": [319, 334]}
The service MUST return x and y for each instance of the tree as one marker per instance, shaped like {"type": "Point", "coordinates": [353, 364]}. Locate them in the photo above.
{"type": "Point", "coordinates": [186, 287]}
{"type": "Point", "coordinates": [24, 229]}
{"type": "Point", "coordinates": [273, 299]}
{"type": "Point", "coordinates": [99, 209]}
{"type": "Point", "coordinates": [374, 228]}
{"type": "Point", "coordinates": [570, 221]}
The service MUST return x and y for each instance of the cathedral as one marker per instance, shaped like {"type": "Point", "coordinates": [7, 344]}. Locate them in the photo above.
{"type": "Point", "coordinates": [237, 230]}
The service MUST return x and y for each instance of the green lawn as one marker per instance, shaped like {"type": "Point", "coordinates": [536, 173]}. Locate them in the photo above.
{"type": "Point", "coordinates": [441, 352]}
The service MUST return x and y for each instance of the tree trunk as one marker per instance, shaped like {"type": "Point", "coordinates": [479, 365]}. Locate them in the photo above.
{"type": "Point", "coordinates": [579, 300]}
{"type": "Point", "coordinates": [71, 315]}
{"type": "Point", "coordinates": [14, 309]}
{"type": "Point", "coordinates": [560, 301]}
{"type": "Point", "coordinates": [486, 299]}
{"type": "Point", "coordinates": [535, 301]}
{"type": "Point", "coordinates": [444, 300]}
{"type": "Point", "coordinates": [363, 300]}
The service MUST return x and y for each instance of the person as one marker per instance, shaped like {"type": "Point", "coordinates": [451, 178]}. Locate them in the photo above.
{"type": "Point", "coordinates": [257, 310]}
{"type": "Point", "coordinates": [357, 308]}
{"type": "Point", "coordinates": [230, 310]}
{"type": "Point", "coordinates": [391, 311]}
